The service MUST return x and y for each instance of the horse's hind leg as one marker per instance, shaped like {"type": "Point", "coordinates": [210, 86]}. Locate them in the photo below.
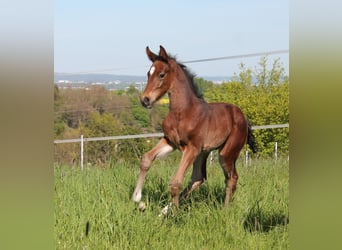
{"type": "Point", "coordinates": [198, 176]}
{"type": "Point", "coordinates": [161, 149]}
{"type": "Point", "coordinates": [227, 157]}
{"type": "Point", "coordinates": [231, 177]}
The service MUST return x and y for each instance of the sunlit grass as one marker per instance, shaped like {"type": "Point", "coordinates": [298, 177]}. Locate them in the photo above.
{"type": "Point", "coordinates": [101, 198]}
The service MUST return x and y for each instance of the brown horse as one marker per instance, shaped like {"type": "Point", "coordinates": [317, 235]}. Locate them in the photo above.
{"type": "Point", "coordinates": [192, 126]}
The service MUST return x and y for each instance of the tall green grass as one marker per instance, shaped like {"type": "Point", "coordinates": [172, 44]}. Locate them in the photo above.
{"type": "Point", "coordinates": [93, 209]}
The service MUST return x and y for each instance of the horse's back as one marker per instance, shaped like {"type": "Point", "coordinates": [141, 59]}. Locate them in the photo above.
{"type": "Point", "coordinates": [228, 112]}
{"type": "Point", "coordinates": [222, 120]}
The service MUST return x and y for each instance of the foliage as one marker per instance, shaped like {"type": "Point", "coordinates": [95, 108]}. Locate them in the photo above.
{"type": "Point", "coordinates": [100, 125]}
{"type": "Point", "coordinates": [203, 85]}
{"type": "Point", "coordinates": [93, 209]}
{"type": "Point", "coordinates": [140, 114]}
{"type": "Point", "coordinates": [97, 112]}
{"type": "Point", "coordinates": [68, 153]}
{"type": "Point", "coordinates": [264, 102]}
{"type": "Point", "coordinates": [102, 152]}
{"type": "Point", "coordinates": [59, 125]}
{"type": "Point", "coordinates": [77, 104]}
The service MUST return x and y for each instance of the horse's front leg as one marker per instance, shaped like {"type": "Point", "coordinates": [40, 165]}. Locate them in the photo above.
{"type": "Point", "coordinates": [189, 155]}
{"type": "Point", "coordinates": [161, 149]}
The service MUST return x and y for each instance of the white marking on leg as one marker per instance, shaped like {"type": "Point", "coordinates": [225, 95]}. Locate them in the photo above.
{"type": "Point", "coordinates": [195, 185]}
{"type": "Point", "coordinates": [165, 210]}
{"type": "Point", "coordinates": [161, 149]}
{"type": "Point", "coordinates": [137, 192]}
{"type": "Point", "coordinates": [165, 150]}
{"type": "Point", "coordinates": [137, 195]}
{"type": "Point", "coordinates": [152, 70]}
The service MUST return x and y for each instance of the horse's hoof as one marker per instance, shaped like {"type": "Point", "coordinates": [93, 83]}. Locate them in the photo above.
{"type": "Point", "coordinates": [142, 206]}
{"type": "Point", "coordinates": [165, 210]}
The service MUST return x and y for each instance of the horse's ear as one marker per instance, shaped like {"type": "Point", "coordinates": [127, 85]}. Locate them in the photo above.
{"type": "Point", "coordinates": [162, 53]}
{"type": "Point", "coordinates": [150, 54]}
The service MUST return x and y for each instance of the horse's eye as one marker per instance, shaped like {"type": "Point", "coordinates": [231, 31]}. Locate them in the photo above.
{"type": "Point", "coordinates": [161, 75]}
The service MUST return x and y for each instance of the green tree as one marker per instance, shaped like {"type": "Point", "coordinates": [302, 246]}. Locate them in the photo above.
{"type": "Point", "coordinates": [100, 125]}
{"type": "Point", "coordinates": [202, 84]}
{"type": "Point", "coordinates": [264, 101]}
{"type": "Point", "coordinates": [76, 107]}
{"type": "Point", "coordinates": [59, 125]}
{"type": "Point", "coordinates": [140, 114]}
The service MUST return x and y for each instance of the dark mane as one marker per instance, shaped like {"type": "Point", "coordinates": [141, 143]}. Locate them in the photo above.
{"type": "Point", "coordinates": [189, 75]}
{"type": "Point", "coordinates": [191, 78]}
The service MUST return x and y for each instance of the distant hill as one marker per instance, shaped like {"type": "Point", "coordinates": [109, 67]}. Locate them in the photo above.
{"type": "Point", "coordinates": [98, 78]}
{"type": "Point", "coordinates": [90, 78]}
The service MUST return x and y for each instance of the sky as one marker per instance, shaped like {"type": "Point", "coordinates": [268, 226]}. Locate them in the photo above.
{"type": "Point", "coordinates": [111, 36]}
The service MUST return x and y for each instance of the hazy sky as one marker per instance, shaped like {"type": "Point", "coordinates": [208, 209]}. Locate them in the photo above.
{"type": "Point", "coordinates": [93, 36]}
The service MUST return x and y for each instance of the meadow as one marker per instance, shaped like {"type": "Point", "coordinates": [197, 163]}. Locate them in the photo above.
{"type": "Point", "coordinates": [93, 208]}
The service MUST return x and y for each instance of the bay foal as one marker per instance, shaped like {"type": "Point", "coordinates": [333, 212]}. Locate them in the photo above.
{"type": "Point", "coordinates": [192, 126]}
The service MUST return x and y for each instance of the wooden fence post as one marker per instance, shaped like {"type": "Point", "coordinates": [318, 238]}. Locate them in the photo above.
{"type": "Point", "coordinates": [82, 152]}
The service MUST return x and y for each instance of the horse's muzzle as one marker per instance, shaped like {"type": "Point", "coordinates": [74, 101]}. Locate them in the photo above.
{"type": "Point", "coordinates": [146, 102]}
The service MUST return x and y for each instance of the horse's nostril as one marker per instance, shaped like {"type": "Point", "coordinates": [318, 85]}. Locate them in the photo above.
{"type": "Point", "coordinates": [145, 101]}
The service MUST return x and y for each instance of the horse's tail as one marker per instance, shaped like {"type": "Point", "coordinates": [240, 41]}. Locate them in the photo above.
{"type": "Point", "coordinates": [251, 139]}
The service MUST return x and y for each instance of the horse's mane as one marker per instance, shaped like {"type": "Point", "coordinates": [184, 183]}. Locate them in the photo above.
{"type": "Point", "coordinates": [189, 75]}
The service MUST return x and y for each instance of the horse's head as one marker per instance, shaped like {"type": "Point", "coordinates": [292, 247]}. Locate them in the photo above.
{"type": "Point", "coordinates": [158, 77]}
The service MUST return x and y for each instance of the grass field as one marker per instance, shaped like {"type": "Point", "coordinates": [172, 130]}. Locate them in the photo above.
{"type": "Point", "coordinates": [93, 209]}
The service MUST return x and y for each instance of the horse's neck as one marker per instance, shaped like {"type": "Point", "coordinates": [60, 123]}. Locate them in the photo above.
{"type": "Point", "coordinates": [182, 98]}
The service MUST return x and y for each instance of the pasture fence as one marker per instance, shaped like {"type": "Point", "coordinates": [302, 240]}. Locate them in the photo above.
{"type": "Point", "coordinates": [82, 140]}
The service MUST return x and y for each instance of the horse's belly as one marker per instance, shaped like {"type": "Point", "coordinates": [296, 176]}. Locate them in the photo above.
{"type": "Point", "coordinates": [212, 142]}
